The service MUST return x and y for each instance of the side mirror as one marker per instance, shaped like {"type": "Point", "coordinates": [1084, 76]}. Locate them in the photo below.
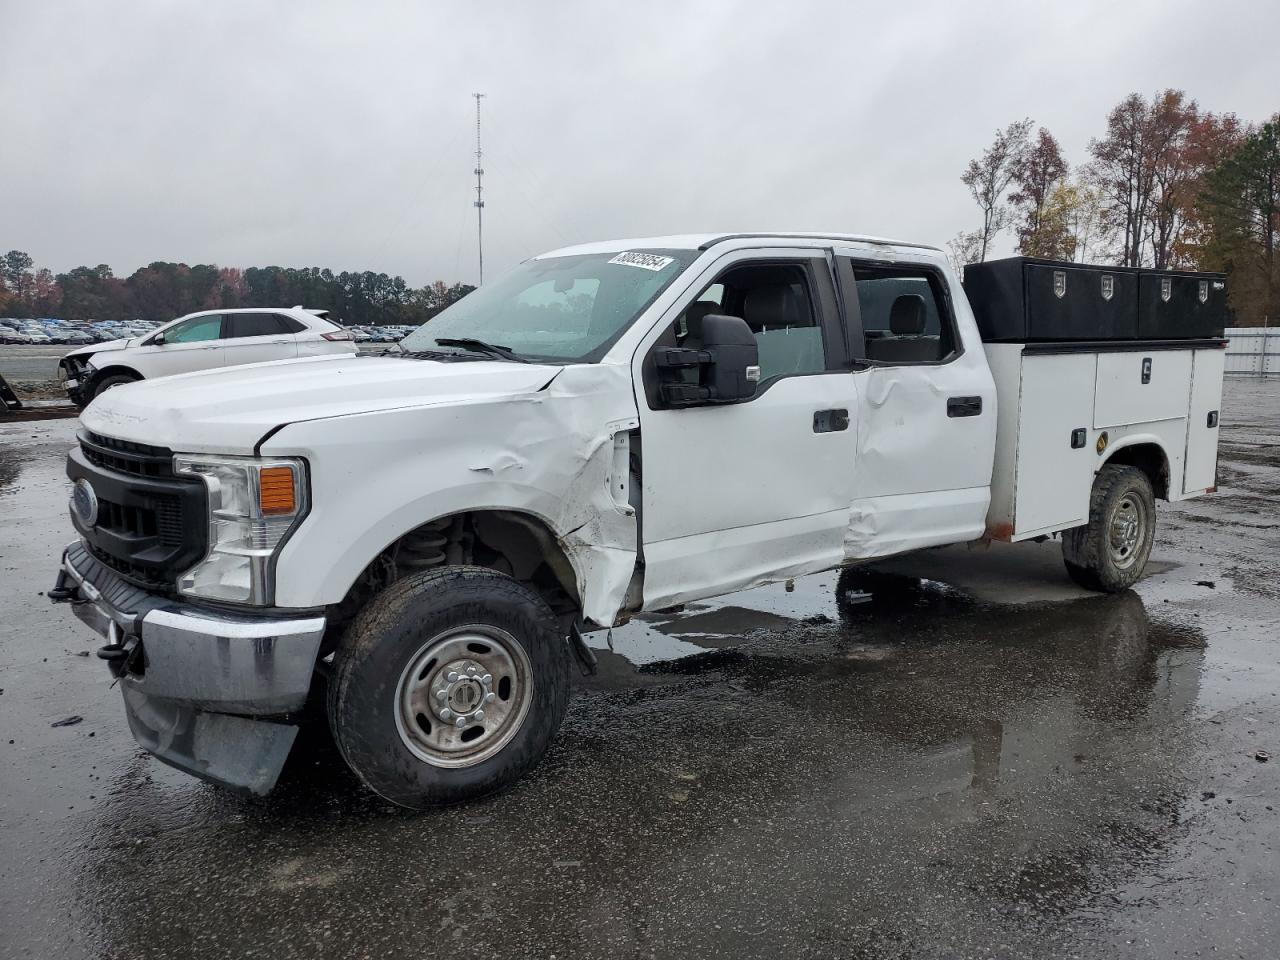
{"type": "Point", "coordinates": [158, 340]}
{"type": "Point", "coordinates": [735, 357]}
{"type": "Point", "coordinates": [727, 366]}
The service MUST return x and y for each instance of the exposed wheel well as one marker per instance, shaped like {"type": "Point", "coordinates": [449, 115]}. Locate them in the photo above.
{"type": "Point", "coordinates": [1151, 460]}
{"type": "Point", "coordinates": [517, 544]}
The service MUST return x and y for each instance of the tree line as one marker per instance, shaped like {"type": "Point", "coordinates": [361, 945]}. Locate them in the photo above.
{"type": "Point", "coordinates": [161, 291]}
{"type": "Point", "coordinates": [1166, 186]}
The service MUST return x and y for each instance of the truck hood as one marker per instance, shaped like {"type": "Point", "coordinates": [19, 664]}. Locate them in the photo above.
{"type": "Point", "coordinates": [229, 410]}
{"type": "Point", "coordinates": [92, 348]}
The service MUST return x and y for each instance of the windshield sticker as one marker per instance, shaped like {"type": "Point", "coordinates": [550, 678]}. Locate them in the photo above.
{"type": "Point", "coordinates": [645, 261]}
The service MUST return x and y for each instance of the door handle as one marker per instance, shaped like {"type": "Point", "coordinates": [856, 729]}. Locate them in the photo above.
{"type": "Point", "coordinates": [964, 406]}
{"type": "Point", "coordinates": [830, 421]}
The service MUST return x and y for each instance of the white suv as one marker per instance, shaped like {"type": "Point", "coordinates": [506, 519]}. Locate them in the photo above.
{"type": "Point", "coordinates": [199, 341]}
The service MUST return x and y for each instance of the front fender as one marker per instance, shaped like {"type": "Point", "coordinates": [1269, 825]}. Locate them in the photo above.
{"type": "Point", "coordinates": [548, 454]}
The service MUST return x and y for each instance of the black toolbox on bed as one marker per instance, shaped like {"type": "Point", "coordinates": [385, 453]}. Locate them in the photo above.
{"type": "Point", "coordinates": [1023, 299]}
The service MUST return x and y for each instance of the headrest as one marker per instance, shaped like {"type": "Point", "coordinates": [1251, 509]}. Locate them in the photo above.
{"type": "Point", "coordinates": [694, 313]}
{"type": "Point", "coordinates": [770, 307]}
{"type": "Point", "coordinates": [906, 317]}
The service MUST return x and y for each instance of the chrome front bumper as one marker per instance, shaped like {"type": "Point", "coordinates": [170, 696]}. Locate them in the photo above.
{"type": "Point", "coordinates": [197, 684]}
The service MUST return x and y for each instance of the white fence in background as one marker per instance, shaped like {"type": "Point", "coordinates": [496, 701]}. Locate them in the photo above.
{"type": "Point", "coordinates": [1253, 352]}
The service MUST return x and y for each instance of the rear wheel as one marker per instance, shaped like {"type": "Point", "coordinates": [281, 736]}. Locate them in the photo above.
{"type": "Point", "coordinates": [448, 686]}
{"type": "Point", "coordinates": [1110, 552]}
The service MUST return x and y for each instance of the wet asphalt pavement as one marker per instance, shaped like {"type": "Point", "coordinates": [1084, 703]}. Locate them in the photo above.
{"type": "Point", "coordinates": [985, 762]}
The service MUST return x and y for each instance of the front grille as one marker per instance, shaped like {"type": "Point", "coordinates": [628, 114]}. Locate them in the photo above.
{"type": "Point", "coordinates": [125, 456]}
{"type": "Point", "coordinates": [151, 525]}
{"type": "Point", "coordinates": [162, 519]}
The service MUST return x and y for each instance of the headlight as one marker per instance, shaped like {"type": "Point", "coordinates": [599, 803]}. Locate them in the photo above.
{"type": "Point", "coordinates": [253, 504]}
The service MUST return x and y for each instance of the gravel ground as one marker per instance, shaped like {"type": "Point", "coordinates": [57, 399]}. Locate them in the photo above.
{"type": "Point", "coordinates": [981, 761]}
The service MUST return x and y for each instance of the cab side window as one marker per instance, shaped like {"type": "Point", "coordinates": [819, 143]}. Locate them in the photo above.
{"type": "Point", "coordinates": [904, 317]}
{"type": "Point", "coordinates": [196, 329]}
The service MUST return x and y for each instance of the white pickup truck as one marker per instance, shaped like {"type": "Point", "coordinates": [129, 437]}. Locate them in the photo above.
{"type": "Point", "coordinates": [609, 428]}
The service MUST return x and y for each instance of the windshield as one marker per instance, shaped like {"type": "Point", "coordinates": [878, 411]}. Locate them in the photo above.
{"type": "Point", "coordinates": [566, 309]}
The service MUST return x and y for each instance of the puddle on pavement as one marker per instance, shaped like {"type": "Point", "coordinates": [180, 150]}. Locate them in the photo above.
{"type": "Point", "coordinates": [1028, 752]}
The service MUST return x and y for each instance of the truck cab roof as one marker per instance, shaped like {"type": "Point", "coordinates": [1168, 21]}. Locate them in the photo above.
{"type": "Point", "coordinates": [705, 241]}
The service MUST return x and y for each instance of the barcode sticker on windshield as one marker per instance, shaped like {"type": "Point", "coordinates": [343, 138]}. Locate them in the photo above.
{"type": "Point", "coordinates": [645, 261]}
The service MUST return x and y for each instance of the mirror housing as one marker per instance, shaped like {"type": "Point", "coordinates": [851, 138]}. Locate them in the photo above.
{"type": "Point", "coordinates": [735, 357]}
{"type": "Point", "coordinates": [728, 365]}
{"type": "Point", "coordinates": [157, 340]}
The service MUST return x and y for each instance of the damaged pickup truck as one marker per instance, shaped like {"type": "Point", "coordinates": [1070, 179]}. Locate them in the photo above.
{"type": "Point", "coordinates": [423, 538]}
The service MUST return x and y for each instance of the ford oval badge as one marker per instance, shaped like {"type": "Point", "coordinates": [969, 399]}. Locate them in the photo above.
{"type": "Point", "coordinates": [84, 502]}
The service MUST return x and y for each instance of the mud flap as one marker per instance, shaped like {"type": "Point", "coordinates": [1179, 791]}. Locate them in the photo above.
{"type": "Point", "coordinates": [232, 751]}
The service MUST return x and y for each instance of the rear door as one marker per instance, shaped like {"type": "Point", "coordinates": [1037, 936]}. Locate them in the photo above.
{"type": "Point", "coordinates": [926, 436]}
{"type": "Point", "coordinates": [758, 490]}
{"type": "Point", "coordinates": [259, 337]}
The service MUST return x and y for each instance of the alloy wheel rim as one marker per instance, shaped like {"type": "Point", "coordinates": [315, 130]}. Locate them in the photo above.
{"type": "Point", "coordinates": [463, 696]}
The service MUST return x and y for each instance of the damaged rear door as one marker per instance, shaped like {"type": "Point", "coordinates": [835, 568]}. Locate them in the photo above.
{"type": "Point", "coordinates": [758, 490]}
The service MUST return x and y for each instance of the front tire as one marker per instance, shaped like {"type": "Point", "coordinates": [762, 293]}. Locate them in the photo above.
{"type": "Point", "coordinates": [1109, 553]}
{"type": "Point", "coordinates": [111, 382]}
{"type": "Point", "coordinates": [448, 686]}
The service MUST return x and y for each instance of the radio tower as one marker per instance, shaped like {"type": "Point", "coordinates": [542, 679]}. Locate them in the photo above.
{"type": "Point", "coordinates": [479, 201]}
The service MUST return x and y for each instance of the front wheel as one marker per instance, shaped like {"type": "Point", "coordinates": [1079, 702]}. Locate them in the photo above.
{"type": "Point", "coordinates": [111, 382]}
{"type": "Point", "coordinates": [448, 686]}
{"type": "Point", "coordinates": [1110, 552]}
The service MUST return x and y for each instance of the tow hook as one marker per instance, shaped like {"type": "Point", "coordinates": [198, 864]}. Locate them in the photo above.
{"type": "Point", "coordinates": [120, 654]}
{"type": "Point", "coordinates": [64, 590]}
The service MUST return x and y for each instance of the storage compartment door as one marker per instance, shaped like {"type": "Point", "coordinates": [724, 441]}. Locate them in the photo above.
{"type": "Point", "coordinates": [1140, 387]}
{"type": "Point", "coordinates": [1054, 478]}
{"type": "Point", "coordinates": [1202, 422]}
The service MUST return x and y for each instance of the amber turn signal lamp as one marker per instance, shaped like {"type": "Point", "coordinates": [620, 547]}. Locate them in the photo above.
{"type": "Point", "coordinates": [275, 491]}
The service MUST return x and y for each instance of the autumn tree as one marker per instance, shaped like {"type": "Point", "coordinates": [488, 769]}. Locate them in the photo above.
{"type": "Point", "coordinates": [989, 177]}
{"type": "Point", "coordinates": [1039, 172]}
{"type": "Point", "coordinates": [1241, 200]}
{"type": "Point", "coordinates": [1210, 141]}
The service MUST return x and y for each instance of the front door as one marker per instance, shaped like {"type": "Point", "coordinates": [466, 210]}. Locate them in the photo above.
{"type": "Point", "coordinates": [759, 490]}
{"type": "Point", "coordinates": [194, 344]}
{"type": "Point", "coordinates": [927, 415]}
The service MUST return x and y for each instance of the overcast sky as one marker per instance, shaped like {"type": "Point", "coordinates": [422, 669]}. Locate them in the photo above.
{"type": "Point", "coordinates": [340, 134]}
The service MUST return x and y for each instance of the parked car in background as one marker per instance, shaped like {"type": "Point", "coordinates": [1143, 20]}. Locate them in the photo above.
{"type": "Point", "coordinates": [201, 341]}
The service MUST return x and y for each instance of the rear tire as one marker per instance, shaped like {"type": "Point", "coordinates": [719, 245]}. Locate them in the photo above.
{"type": "Point", "coordinates": [1109, 553]}
{"type": "Point", "coordinates": [420, 739]}
{"type": "Point", "coordinates": [109, 383]}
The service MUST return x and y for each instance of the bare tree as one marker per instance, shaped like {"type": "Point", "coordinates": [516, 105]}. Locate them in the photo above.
{"type": "Point", "coordinates": [1122, 172]}
{"type": "Point", "coordinates": [964, 248]}
{"type": "Point", "coordinates": [1173, 171]}
{"type": "Point", "coordinates": [988, 178]}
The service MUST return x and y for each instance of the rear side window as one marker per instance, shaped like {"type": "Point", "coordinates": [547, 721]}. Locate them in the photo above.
{"type": "Point", "coordinates": [257, 325]}
{"type": "Point", "coordinates": [904, 315]}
